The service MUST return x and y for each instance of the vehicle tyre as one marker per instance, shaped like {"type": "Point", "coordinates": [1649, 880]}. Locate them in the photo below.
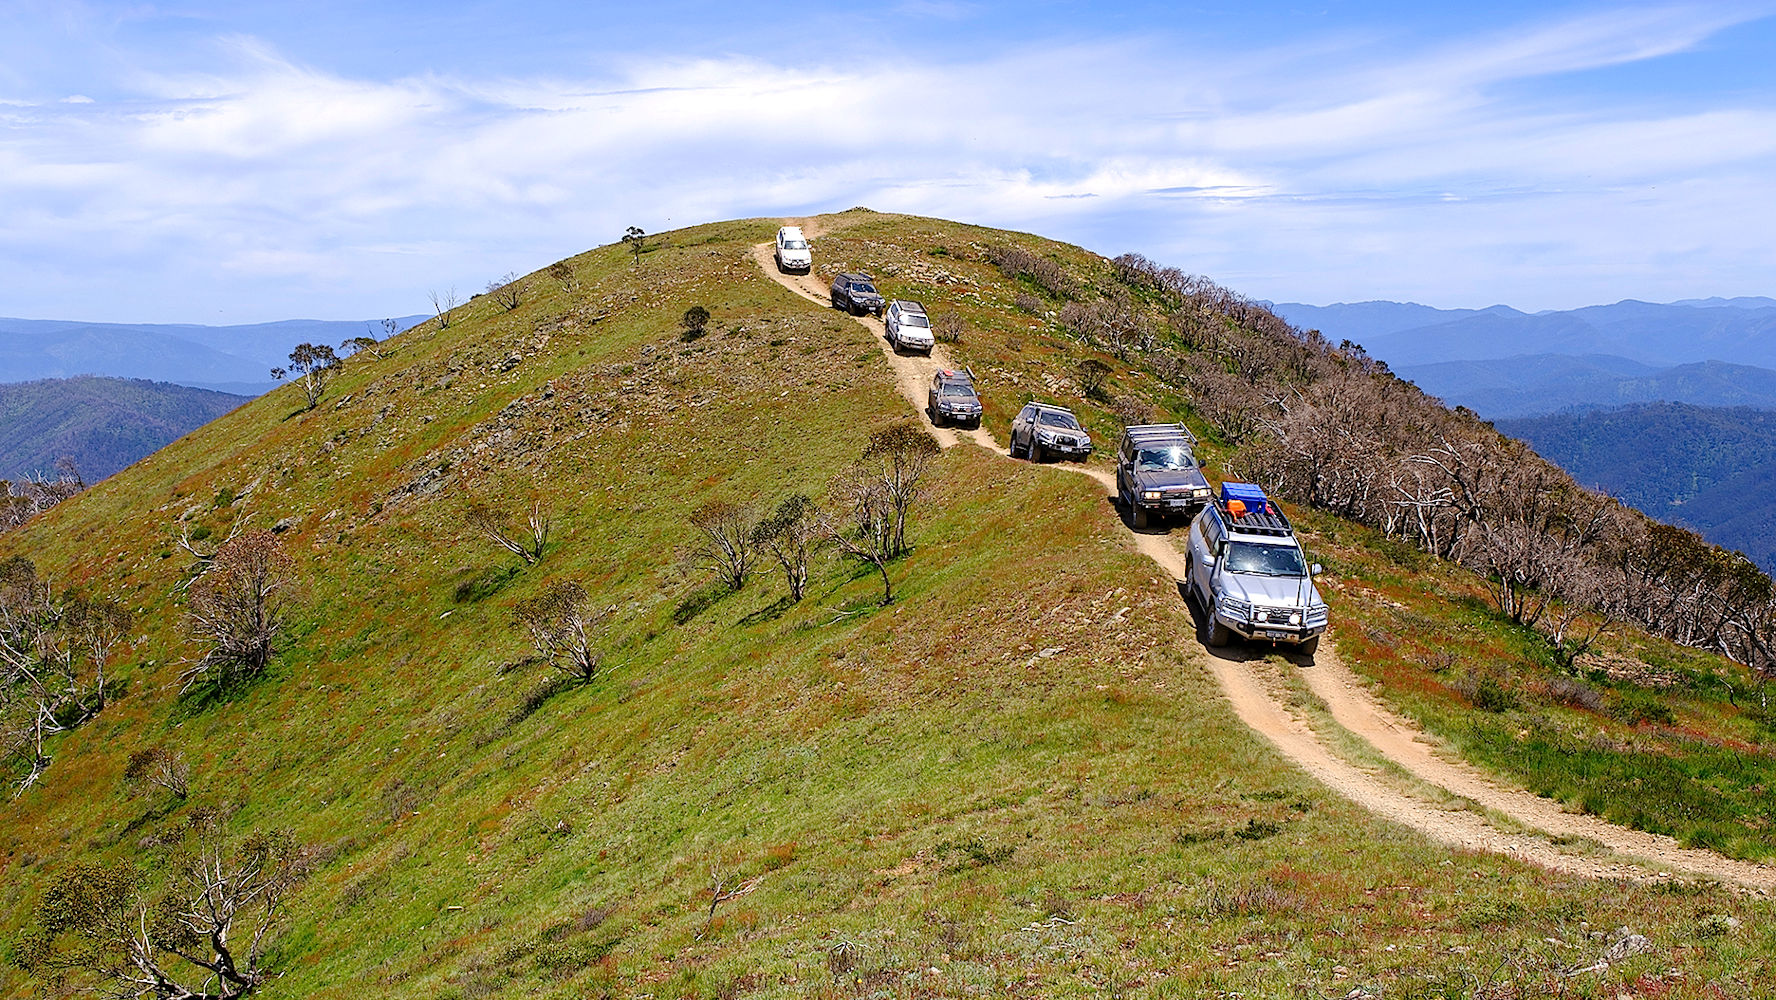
{"type": "Point", "coordinates": [1038, 453]}
{"type": "Point", "coordinates": [1311, 646]}
{"type": "Point", "coordinates": [1014, 448]}
{"type": "Point", "coordinates": [1139, 516]}
{"type": "Point", "coordinates": [1219, 634]}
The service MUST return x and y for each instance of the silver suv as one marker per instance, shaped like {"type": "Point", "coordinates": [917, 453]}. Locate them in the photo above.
{"type": "Point", "coordinates": [1246, 571]}
{"type": "Point", "coordinates": [909, 329]}
{"type": "Point", "coordinates": [1047, 430]}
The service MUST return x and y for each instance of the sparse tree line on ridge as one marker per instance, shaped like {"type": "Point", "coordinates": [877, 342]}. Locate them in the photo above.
{"type": "Point", "coordinates": [1329, 426]}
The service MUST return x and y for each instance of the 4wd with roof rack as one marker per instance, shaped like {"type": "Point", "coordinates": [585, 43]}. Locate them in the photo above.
{"type": "Point", "coordinates": [1246, 571]}
{"type": "Point", "coordinates": [909, 329]}
{"type": "Point", "coordinates": [1157, 475]}
{"type": "Point", "coordinates": [856, 294]}
{"type": "Point", "coordinates": [953, 399]}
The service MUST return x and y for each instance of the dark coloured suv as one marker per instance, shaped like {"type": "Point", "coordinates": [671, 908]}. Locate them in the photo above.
{"type": "Point", "coordinates": [1046, 430]}
{"type": "Point", "coordinates": [1157, 474]}
{"type": "Point", "coordinates": [953, 399]}
{"type": "Point", "coordinates": [856, 294]}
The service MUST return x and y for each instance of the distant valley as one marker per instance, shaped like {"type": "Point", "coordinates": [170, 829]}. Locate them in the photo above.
{"type": "Point", "coordinates": [1740, 331]}
{"type": "Point", "coordinates": [103, 424]}
{"type": "Point", "coordinates": [1546, 383]}
{"type": "Point", "coordinates": [233, 359]}
{"type": "Point", "coordinates": [1710, 469]}
{"type": "Point", "coordinates": [1671, 408]}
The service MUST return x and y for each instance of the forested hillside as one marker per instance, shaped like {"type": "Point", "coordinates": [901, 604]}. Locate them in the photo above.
{"type": "Point", "coordinates": [102, 424]}
{"type": "Point", "coordinates": [1548, 383]}
{"type": "Point", "coordinates": [506, 718]}
{"type": "Point", "coordinates": [1712, 469]}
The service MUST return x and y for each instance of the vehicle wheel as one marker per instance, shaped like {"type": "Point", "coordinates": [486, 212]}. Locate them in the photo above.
{"type": "Point", "coordinates": [1139, 516]}
{"type": "Point", "coordinates": [1219, 634]}
{"type": "Point", "coordinates": [1014, 449]}
{"type": "Point", "coordinates": [1311, 646]}
{"type": "Point", "coordinates": [1038, 454]}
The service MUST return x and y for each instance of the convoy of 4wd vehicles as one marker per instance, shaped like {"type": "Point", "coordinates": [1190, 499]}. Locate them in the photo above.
{"type": "Point", "coordinates": [1244, 566]}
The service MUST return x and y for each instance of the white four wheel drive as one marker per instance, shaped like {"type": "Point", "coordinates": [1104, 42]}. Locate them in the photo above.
{"type": "Point", "coordinates": [793, 251]}
{"type": "Point", "coordinates": [909, 329]}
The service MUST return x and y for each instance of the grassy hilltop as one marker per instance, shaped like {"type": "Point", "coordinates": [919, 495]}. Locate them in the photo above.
{"type": "Point", "coordinates": [1017, 779]}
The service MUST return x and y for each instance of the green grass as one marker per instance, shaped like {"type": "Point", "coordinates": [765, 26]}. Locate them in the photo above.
{"type": "Point", "coordinates": [929, 805]}
{"type": "Point", "coordinates": [1642, 734]}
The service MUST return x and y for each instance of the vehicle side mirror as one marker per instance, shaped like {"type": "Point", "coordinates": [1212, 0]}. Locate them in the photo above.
{"type": "Point", "coordinates": [1316, 569]}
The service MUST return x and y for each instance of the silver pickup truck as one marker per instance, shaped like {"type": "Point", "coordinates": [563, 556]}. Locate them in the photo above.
{"type": "Point", "coordinates": [1247, 573]}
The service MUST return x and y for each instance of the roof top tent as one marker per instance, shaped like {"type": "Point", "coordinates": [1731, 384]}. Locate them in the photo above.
{"type": "Point", "coordinates": [1248, 510]}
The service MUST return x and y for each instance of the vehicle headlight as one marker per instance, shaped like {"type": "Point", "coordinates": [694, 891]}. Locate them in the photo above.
{"type": "Point", "coordinates": [1201, 491]}
{"type": "Point", "coordinates": [1046, 437]}
{"type": "Point", "coordinates": [1150, 494]}
{"type": "Point", "coordinates": [1236, 609]}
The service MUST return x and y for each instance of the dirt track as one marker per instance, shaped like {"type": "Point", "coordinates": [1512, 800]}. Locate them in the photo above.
{"type": "Point", "coordinates": [1356, 710]}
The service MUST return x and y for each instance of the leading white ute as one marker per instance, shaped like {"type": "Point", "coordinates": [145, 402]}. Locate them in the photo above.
{"type": "Point", "coordinates": [793, 252]}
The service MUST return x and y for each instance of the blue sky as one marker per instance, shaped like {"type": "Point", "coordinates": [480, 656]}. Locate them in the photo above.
{"type": "Point", "coordinates": [222, 162]}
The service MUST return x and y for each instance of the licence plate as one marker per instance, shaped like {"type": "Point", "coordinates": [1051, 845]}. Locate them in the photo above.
{"type": "Point", "coordinates": [1278, 635]}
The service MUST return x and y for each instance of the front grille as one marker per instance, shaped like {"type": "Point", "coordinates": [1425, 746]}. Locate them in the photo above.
{"type": "Point", "coordinates": [1275, 617]}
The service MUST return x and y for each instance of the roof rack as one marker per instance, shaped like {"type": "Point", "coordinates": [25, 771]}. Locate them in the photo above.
{"type": "Point", "coordinates": [1141, 432]}
{"type": "Point", "coordinates": [1248, 511]}
{"type": "Point", "coordinates": [963, 374]}
{"type": "Point", "coordinates": [912, 304]}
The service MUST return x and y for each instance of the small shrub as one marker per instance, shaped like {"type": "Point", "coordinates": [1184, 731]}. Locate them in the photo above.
{"type": "Point", "coordinates": [1026, 302]}
{"type": "Point", "coordinates": [1132, 410]}
{"type": "Point", "coordinates": [1574, 693]}
{"type": "Point", "coordinates": [694, 320]}
{"type": "Point", "coordinates": [975, 853]}
{"type": "Point", "coordinates": [1092, 374]}
{"type": "Point", "coordinates": [1487, 693]}
{"type": "Point", "coordinates": [1489, 912]}
{"type": "Point", "coordinates": [1252, 898]}
{"type": "Point", "coordinates": [947, 328]}
{"type": "Point", "coordinates": [1633, 707]}
{"type": "Point", "coordinates": [1258, 829]}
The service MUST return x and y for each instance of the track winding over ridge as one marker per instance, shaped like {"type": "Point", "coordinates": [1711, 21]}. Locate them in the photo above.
{"type": "Point", "coordinates": [1356, 710]}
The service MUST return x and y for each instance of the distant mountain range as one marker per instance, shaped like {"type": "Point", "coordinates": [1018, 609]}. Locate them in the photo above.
{"type": "Point", "coordinates": [1545, 383]}
{"type": "Point", "coordinates": [1711, 469]}
{"type": "Point", "coordinates": [234, 359]}
{"type": "Point", "coordinates": [1739, 331]}
{"type": "Point", "coordinates": [104, 424]}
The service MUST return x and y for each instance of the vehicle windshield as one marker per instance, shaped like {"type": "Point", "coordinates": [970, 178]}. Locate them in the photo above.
{"type": "Point", "coordinates": [1264, 560]}
{"type": "Point", "coordinates": [1159, 459]}
{"type": "Point", "coordinates": [1058, 420]}
{"type": "Point", "coordinates": [864, 287]}
{"type": "Point", "coordinates": [909, 319]}
{"type": "Point", "coordinates": [795, 244]}
{"type": "Point", "coordinates": [957, 390]}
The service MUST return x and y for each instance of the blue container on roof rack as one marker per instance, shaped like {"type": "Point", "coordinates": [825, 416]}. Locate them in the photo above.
{"type": "Point", "coordinates": [1250, 496]}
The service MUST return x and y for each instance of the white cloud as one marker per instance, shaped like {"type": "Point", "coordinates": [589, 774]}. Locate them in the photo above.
{"type": "Point", "coordinates": [1324, 172]}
